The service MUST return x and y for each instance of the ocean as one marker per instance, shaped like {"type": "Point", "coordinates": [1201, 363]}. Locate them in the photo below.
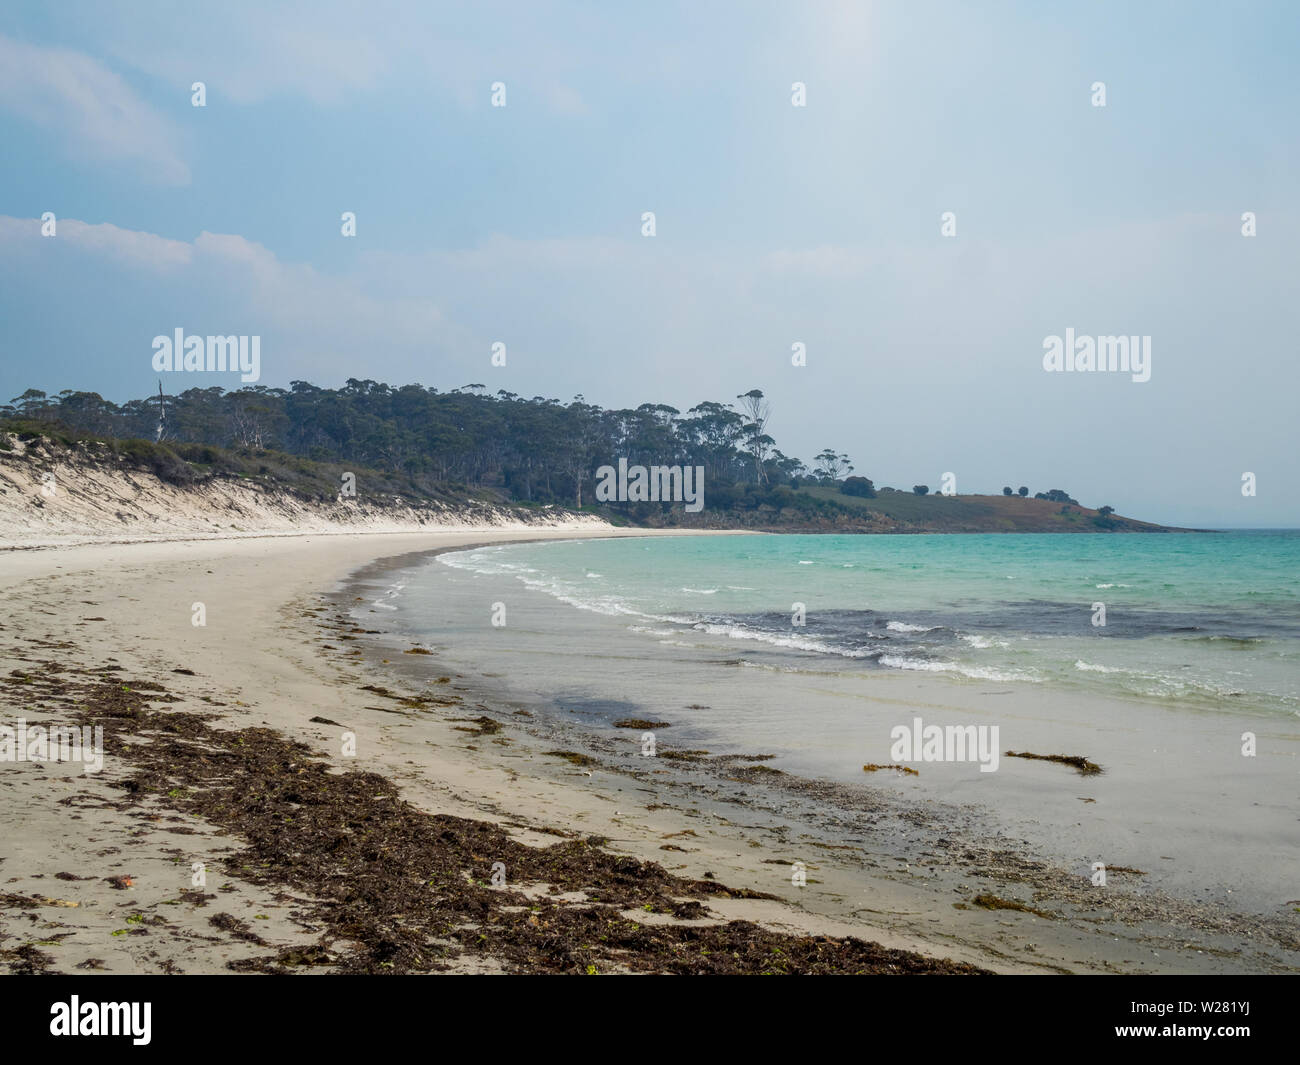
{"type": "Point", "coordinates": [1196, 621]}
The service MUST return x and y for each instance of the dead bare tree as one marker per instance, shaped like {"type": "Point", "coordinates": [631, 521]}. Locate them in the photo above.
{"type": "Point", "coordinates": [757, 411]}
{"type": "Point", "coordinates": [161, 431]}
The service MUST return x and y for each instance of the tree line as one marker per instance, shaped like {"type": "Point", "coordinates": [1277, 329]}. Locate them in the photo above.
{"type": "Point", "coordinates": [535, 450]}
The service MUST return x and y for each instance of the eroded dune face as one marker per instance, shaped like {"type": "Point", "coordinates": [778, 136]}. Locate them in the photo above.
{"type": "Point", "coordinates": [51, 494]}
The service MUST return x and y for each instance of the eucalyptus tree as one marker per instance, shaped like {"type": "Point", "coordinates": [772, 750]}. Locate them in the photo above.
{"type": "Point", "coordinates": [757, 410]}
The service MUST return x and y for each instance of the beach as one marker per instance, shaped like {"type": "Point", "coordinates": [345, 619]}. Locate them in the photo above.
{"type": "Point", "coordinates": [945, 878]}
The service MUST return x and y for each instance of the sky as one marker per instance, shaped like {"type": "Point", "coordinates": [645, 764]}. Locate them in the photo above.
{"type": "Point", "coordinates": [775, 224]}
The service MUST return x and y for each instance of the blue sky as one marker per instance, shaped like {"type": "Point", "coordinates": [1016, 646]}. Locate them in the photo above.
{"type": "Point", "coordinates": [775, 224]}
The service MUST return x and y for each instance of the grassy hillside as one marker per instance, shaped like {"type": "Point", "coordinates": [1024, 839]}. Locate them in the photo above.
{"type": "Point", "coordinates": [909, 512]}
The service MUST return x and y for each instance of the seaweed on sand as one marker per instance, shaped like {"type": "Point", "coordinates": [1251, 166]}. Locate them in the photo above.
{"type": "Point", "coordinates": [395, 889]}
{"type": "Point", "coordinates": [26, 960]}
{"type": "Point", "coordinates": [486, 726]}
{"type": "Point", "coordinates": [995, 902]}
{"type": "Point", "coordinates": [574, 757]}
{"type": "Point", "coordinates": [1077, 761]}
{"type": "Point", "coordinates": [872, 767]}
{"type": "Point", "coordinates": [683, 755]}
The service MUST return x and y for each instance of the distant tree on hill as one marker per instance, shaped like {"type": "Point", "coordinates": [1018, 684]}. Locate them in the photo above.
{"type": "Point", "coordinates": [831, 466]}
{"type": "Point", "coordinates": [1006, 491]}
{"type": "Point", "coordinates": [1023, 491]}
{"type": "Point", "coordinates": [782, 468]}
{"type": "Point", "coordinates": [756, 408]}
{"type": "Point", "coordinates": [858, 486]}
{"type": "Point", "coordinates": [32, 404]}
{"type": "Point", "coordinates": [920, 489]}
{"type": "Point", "coordinates": [1105, 512]}
{"type": "Point", "coordinates": [1056, 495]}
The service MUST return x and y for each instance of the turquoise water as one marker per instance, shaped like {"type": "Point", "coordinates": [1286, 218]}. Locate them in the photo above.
{"type": "Point", "coordinates": [1203, 620]}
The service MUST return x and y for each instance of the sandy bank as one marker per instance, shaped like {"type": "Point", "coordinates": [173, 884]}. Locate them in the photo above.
{"type": "Point", "coordinates": [52, 496]}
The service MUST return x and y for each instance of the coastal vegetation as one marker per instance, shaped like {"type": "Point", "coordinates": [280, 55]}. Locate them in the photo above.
{"type": "Point", "coordinates": [418, 444]}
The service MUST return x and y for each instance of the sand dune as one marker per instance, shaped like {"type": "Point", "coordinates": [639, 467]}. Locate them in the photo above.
{"type": "Point", "coordinates": [51, 497]}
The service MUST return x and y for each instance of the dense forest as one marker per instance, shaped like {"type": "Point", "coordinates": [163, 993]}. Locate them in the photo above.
{"type": "Point", "coordinates": [533, 450]}
{"type": "Point", "coordinates": [426, 444]}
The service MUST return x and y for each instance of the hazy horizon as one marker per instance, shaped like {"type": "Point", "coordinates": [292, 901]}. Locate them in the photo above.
{"type": "Point", "coordinates": [775, 224]}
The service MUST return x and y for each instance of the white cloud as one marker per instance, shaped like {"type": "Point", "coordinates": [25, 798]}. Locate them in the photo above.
{"type": "Point", "coordinates": [313, 305]}
{"type": "Point", "coordinates": [129, 246]}
{"type": "Point", "coordinates": [96, 114]}
{"type": "Point", "coordinates": [247, 55]}
{"type": "Point", "coordinates": [249, 52]}
{"type": "Point", "coordinates": [228, 275]}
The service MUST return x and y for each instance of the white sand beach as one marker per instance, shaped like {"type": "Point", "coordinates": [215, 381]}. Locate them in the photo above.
{"type": "Point", "coordinates": [259, 655]}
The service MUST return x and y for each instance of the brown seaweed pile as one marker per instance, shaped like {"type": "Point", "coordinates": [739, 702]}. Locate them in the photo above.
{"type": "Point", "coordinates": [397, 890]}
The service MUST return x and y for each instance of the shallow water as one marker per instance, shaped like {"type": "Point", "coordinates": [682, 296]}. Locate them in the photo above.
{"type": "Point", "coordinates": [1193, 620]}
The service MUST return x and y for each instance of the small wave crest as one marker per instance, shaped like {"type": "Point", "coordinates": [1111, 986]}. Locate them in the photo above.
{"type": "Point", "coordinates": [959, 668]}
{"type": "Point", "coordinates": [799, 643]}
{"type": "Point", "coordinates": [1090, 667]}
{"type": "Point", "coordinates": [903, 626]}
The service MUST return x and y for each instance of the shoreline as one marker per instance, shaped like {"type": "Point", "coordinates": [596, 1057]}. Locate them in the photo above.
{"type": "Point", "coordinates": [988, 845]}
{"type": "Point", "coordinates": [141, 914]}
{"type": "Point", "coordinates": [257, 592]}
{"type": "Point", "coordinates": [1176, 800]}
